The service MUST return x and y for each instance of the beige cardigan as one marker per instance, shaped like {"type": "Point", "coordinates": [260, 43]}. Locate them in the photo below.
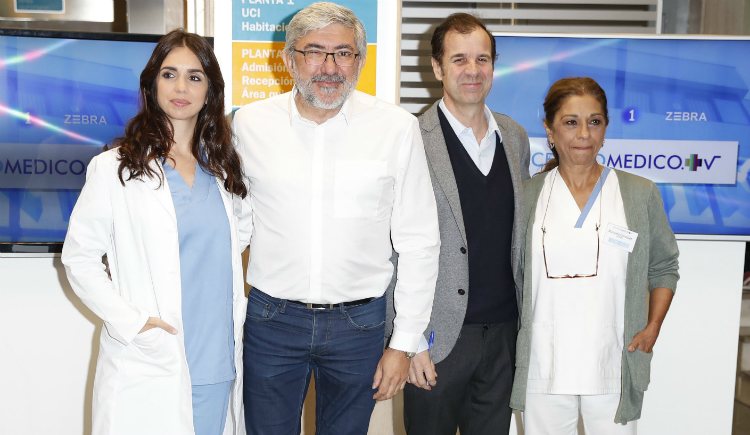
{"type": "Point", "coordinates": [653, 263]}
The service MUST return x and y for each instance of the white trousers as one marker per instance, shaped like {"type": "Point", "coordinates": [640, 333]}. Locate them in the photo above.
{"type": "Point", "coordinates": [557, 414]}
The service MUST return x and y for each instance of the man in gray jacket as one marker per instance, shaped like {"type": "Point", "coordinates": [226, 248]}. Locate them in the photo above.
{"type": "Point", "coordinates": [478, 160]}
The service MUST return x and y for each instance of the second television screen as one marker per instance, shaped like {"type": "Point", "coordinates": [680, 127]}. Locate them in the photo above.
{"type": "Point", "coordinates": [679, 114]}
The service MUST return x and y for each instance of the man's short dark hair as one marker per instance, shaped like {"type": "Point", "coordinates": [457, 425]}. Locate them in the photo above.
{"type": "Point", "coordinates": [462, 23]}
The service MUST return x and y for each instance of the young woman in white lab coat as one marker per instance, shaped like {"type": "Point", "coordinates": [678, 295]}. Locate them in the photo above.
{"type": "Point", "coordinates": [161, 206]}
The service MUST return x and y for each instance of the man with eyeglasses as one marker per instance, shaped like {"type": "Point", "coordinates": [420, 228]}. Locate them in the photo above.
{"type": "Point", "coordinates": [478, 160]}
{"type": "Point", "coordinates": [338, 180]}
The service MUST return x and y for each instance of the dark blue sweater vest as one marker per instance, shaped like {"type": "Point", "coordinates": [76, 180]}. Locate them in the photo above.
{"type": "Point", "coordinates": [487, 205]}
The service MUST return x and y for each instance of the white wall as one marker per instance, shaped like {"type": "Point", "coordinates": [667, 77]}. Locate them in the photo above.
{"type": "Point", "coordinates": [48, 346]}
{"type": "Point", "coordinates": [694, 365]}
{"type": "Point", "coordinates": [46, 342]}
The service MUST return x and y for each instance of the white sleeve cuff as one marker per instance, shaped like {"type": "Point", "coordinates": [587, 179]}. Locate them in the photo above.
{"type": "Point", "coordinates": [423, 345]}
{"type": "Point", "coordinates": [405, 341]}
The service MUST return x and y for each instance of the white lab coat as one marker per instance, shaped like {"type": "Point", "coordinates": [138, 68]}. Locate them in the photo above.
{"type": "Point", "coordinates": [142, 384]}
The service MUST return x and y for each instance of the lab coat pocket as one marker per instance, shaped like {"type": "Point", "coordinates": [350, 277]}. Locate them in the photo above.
{"type": "Point", "coordinates": [608, 350]}
{"type": "Point", "coordinates": [541, 363]}
{"type": "Point", "coordinates": [152, 353]}
{"type": "Point", "coordinates": [358, 188]}
{"type": "Point", "coordinates": [147, 339]}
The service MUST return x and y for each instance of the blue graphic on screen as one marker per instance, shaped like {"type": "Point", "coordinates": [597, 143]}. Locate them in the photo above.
{"type": "Point", "coordinates": [691, 90]}
{"type": "Point", "coordinates": [61, 101]}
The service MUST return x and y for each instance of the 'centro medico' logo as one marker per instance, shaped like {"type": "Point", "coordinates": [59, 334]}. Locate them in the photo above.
{"type": "Point", "coordinates": [661, 160]}
{"type": "Point", "coordinates": [694, 162]}
{"type": "Point", "coordinates": [644, 161]}
{"type": "Point", "coordinates": [42, 167]}
{"type": "Point", "coordinates": [658, 161]}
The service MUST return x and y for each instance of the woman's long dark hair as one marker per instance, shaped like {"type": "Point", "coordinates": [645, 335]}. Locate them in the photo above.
{"type": "Point", "coordinates": [558, 93]}
{"type": "Point", "coordinates": [149, 135]}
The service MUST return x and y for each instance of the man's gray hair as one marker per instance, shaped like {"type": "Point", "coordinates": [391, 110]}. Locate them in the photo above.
{"type": "Point", "coordinates": [319, 15]}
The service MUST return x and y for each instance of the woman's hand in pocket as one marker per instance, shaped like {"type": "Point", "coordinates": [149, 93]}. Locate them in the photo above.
{"type": "Point", "coordinates": [645, 339]}
{"type": "Point", "coordinates": [155, 322]}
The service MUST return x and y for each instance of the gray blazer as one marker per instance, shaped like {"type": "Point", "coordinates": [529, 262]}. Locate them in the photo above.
{"type": "Point", "coordinates": [449, 308]}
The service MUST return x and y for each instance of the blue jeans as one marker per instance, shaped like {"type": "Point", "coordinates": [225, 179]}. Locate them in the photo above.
{"type": "Point", "coordinates": [284, 343]}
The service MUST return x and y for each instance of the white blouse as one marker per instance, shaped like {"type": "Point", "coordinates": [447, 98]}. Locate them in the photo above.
{"type": "Point", "coordinates": [578, 323]}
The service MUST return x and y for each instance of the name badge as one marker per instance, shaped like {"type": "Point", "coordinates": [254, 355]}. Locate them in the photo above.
{"type": "Point", "coordinates": [620, 237]}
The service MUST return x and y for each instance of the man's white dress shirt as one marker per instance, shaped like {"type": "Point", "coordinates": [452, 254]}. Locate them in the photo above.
{"type": "Point", "coordinates": [482, 152]}
{"type": "Point", "coordinates": [328, 200]}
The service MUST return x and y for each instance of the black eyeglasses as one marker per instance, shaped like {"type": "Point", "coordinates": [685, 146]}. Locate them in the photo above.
{"type": "Point", "coordinates": [544, 250]}
{"type": "Point", "coordinates": [318, 57]}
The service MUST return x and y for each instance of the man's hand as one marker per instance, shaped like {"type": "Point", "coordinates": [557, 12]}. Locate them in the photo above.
{"type": "Point", "coordinates": [422, 372]}
{"type": "Point", "coordinates": [391, 373]}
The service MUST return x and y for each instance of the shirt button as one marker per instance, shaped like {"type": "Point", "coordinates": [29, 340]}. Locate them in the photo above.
{"type": "Point", "coordinates": [463, 250]}
{"type": "Point", "coordinates": [461, 291]}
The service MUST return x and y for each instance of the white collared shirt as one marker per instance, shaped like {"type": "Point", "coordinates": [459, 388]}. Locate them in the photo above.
{"type": "Point", "coordinates": [328, 199]}
{"type": "Point", "coordinates": [482, 152]}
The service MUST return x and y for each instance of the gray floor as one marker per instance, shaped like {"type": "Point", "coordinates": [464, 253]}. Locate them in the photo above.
{"type": "Point", "coordinates": [741, 420]}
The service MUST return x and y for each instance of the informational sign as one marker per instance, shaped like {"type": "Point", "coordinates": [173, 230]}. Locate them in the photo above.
{"type": "Point", "coordinates": [40, 6]}
{"type": "Point", "coordinates": [258, 34]}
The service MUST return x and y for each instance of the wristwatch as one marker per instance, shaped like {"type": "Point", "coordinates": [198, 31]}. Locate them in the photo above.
{"type": "Point", "coordinates": [410, 355]}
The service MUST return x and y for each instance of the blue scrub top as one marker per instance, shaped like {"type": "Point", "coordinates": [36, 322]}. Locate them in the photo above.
{"type": "Point", "coordinates": [206, 273]}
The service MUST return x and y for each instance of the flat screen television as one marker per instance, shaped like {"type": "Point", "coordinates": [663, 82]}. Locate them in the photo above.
{"type": "Point", "coordinates": [679, 114]}
{"type": "Point", "coordinates": [63, 97]}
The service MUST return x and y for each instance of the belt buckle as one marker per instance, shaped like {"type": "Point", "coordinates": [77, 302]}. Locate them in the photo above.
{"type": "Point", "coordinates": [311, 306]}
